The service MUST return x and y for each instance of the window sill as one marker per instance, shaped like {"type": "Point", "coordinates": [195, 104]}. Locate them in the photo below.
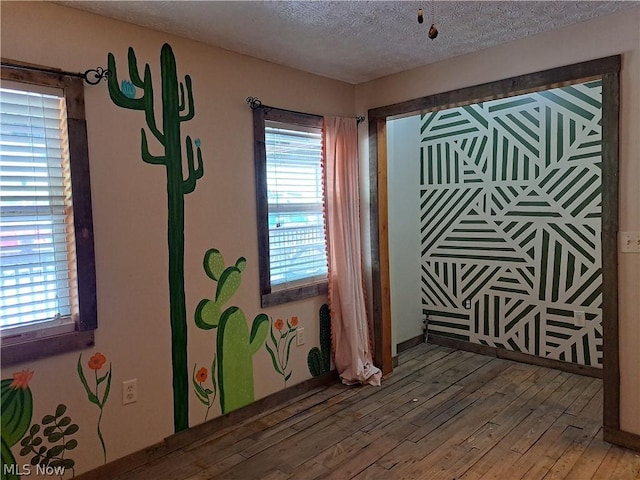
{"type": "Point", "coordinates": [46, 347]}
{"type": "Point", "coordinates": [293, 294]}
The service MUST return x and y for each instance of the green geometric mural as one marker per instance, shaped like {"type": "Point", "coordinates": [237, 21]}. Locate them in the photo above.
{"type": "Point", "coordinates": [510, 206]}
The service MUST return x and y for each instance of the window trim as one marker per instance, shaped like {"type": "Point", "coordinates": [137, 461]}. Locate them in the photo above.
{"type": "Point", "coordinates": [87, 321]}
{"type": "Point", "coordinates": [267, 296]}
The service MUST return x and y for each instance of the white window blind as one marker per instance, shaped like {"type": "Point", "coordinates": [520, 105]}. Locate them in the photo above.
{"type": "Point", "coordinates": [37, 254]}
{"type": "Point", "coordinates": [294, 191]}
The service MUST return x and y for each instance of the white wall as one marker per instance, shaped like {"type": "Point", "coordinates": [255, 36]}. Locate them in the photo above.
{"type": "Point", "coordinates": [403, 164]}
{"type": "Point", "coordinates": [611, 35]}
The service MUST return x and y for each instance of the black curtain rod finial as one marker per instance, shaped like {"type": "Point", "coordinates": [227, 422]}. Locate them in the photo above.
{"type": "Point", "coordinates": [254, 102]}
{"type": "Point", "coordinates": [360, 119]}
{"type": "Point", "coordinates": [94, 76]}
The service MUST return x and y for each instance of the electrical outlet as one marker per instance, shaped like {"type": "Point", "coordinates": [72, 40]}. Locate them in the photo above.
{"type": "Point", "coordinates": [300, 336]}
{"type": "Point", "coordinates": [579, 318]}
{"type": "Point", "coordinates": [467, 304]}
{"type": "Point", "coordinates": [129, 391]}
{"type": "Point", "coordinates": [630, 242]}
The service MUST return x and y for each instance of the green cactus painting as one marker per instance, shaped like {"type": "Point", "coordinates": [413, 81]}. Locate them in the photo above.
{"type": "Point", "coordinates": [16, 402]}
{"type": "Point", "coordinates": [176, 109]}
{"type": "Point", "coordinates": [235, 344]}
{"type": "Point", "coordinates": [319, 359]}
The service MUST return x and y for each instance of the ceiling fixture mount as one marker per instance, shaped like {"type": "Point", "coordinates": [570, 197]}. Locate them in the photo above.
{"type": "Point", "coordinates": [433, 31]}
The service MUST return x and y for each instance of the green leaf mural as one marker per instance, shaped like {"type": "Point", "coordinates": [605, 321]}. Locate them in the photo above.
{"type": "Point", "coordinates": [279, 347]}
{"type": "Point", "coordinates": [17, 408]}
{"type": "Point", "coordinates": [235, 345]}
{"type": "Point", "coordinates": [177, 107]}
{"type": "Point", "coordinates": [319, 359]}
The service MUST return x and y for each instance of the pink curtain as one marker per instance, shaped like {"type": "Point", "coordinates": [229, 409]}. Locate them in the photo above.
{"type": "Point", "coordinates": [349, 325]}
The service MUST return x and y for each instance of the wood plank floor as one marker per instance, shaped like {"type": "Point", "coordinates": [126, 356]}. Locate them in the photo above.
{"type": "Point", "coordinates": [443, 414]}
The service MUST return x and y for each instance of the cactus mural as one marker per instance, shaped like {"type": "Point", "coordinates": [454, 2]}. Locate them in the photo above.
{"type": "Point", "coordinates": [176, 109]}
{"type": "Point", "coordinates": [319, 359]}
{"type": "Point", "coordinates": [235, 345]}
{"type": "Point", "coordinates": [17, 408]}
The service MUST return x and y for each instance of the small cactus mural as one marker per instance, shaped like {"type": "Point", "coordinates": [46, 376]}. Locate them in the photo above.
{"type": "Point", "coordinates": [319, 359]}
{"type": "Point", "coordinates": [235, 344]}
{"type": "Point", "coordinates": [16, 402]}
{"type": "Point", "coordinates": [177, 107]}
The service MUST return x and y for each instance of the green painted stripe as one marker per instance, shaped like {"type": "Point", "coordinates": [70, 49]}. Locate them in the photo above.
{"type": "Point", "coordinates": [480, 257]}
{"type": "Point", "coordinates": [476, 239]}
{"type": "Point", "coordinates": [585, 285]}
{"type": "Point", "coordinates": [479, 155]}
{"type": "Point", "coordinates": [514, 164]}
{"type": "Point", "coordinates": [430, 164]}
{"type": "Point", "coordinates": [455, 326]}
{"type": "Point", "coordinates": [476, 115]}
{"type": "Point", "coordinates": [531, 118]}
{"type": "Point", "coordinates": [518, 137]}
{"type": "Point", "coordinates": [524, 276]}
{"type": "Point", "coordinates": [593, 84]}
{"type": "Point", "coordinates": [554, 334]}
{"type": "Point", "coordinates": [486, 315]}
{"type": "Point", "coordinates": [508, 280]}
{"type": "Point", "coordinates": [439, 163]}
{"type": "Point", "coordinates": [572, 131]}
{"type": "Point", "coordinates": [454, 280]}
{"type": "Point", "coordinates": [579, 191]}
{"type": "Point", "coordinates": [476, 319]}
{"type": "Point", "coordinates": [538, 203]}
{"type": "Point", "coordinates": [527, 239]}
{"type": "Point", "coordinates": [537, 341]}
{"type": "Point", "coordinates": [565, 325]}
{"type": "Point", "coordinates": [452, 335]}
{"type": "Point", "coordinates": [472, 146]}
{"type": "Point", "coordinates": [452, 113]}
{"type": "Point", "coordinates": [513, 307]}
{"type": "Point", "coordinates": [514, 345]}
{"type": "Point", "coordinates": [442, 126]}
{"type": "Point", "coordinates": [527, 338]}
{"type": "Point", "coordinates": [586, 350]}
{"type": "Point", "coordinates": [570, 185]}
{"type": "Point", "coordinates": [436, 202]}
{"type": "Point", "coordinates": [442, 294]}
{"type": "Point", "coordinates": [464, 131]}
{"type": "Point", "coordinates": [531, 213]}
{"type": "Point", "coordinates": [496, 316]}
{"type": "Point", "coordinates": [516, 320]}
{"type": "Point", "coordinates": [547, 135]}
{"type": "Point", "coordinates": [593, 215]}
{"type": "Point", "coordinates": [585, 156]}
{"type": "Point", "coordinates": [559, 136]}
{"type": "Point", "coordinates": [561, 312]}
{"type": "Point", "coordinates": [543, 265]}
{"type": "Point", "coordinates": [548, 177]}
{"type": "Point", "coordinates": [452, 218]}
{"type": "Point", "coordinates": [594, 143]}
{"type": "Point", "coordinates": [510, 226]}
{"type": "Point", "coordinates": [569, 239]}
{"type": "Point", "coordinates": [571, 262]}
{"type": "Point", "coordinates": [500, 190]}
{"type": "Point", "coordinates": [421, 166]}
{"type": "Point", "coordinates": [526, 129]}
{"type": "Point", "coordinates": [478, 248]}
{"type": "Point", "coordinates": [562, 178]}
{"type": "Point", "coordinates": [442, 313]}
{"type": "Point", "coordinates": [587, 201]}
{"type": "Point", "coordinates": [468, 284]}
{"type": "Point", "coordinates": [574, 353]}
{"type": "Point", "coordinates": [430, 287]}
{"type": "Point", "coordinates": [582, 236]}
{"type": "Point", "coordinates": [503, 105]}
{"type": "Point", "coordinates": [558, 100]}
{"type": "Point", "coordinates": [430, 118]}
{"type": "Point", "coordinates": [583, 97]}
{"type": "Point", "coordinates": [467, 273]}
{"type": "Point", "coordinates": [594, 295]}
{"type": "Point", "coordinates": [510, 290]}
{"type": "Point", "coordinates": [473, 230]}
{"type": "Point", "coordinates": [557, 262]}
{"type": "Point", "coordinates": [447, 163]}
{"type": "Point", "coordinates": [481, 285]}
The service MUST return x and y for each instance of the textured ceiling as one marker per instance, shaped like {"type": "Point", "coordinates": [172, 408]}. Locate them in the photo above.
{"type": "Point", "coordinates": [353, 41]}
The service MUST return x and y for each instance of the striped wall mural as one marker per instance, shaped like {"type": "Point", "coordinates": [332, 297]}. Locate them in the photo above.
{"type": "Point", "coordinates": [510, 205]}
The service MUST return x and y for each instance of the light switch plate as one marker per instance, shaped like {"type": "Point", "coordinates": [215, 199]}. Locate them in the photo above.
{"type": "Point", "coordinates": [630, 242]}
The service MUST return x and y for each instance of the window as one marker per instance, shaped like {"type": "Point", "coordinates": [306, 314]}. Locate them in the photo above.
{"type": "Point", "coordinates": [291, 240]}
{"type": "Point", "coordinates": [47, 272]}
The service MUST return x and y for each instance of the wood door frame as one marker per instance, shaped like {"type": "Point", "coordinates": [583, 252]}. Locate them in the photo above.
{"type": "Point", "coordinates": [608, 70]}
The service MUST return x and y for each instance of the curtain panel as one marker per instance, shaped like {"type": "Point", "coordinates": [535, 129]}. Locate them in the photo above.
{"type": "Point", "coordinates": [351, 339]}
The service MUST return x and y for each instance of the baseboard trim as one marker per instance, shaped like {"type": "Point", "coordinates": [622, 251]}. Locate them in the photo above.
{"type": "Point", "coordinates": [213, 426]}
{"type": "Point", "coordinates": [515, 356]}
{"type": "Point", "coordinates": [622, 438]}
{"type": "Point", "coordinates": [407, 344]}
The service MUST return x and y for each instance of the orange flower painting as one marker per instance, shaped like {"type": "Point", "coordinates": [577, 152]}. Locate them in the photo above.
{"type": "Point", "coordinates": [278, 324]}
{"type": "Point", "coordinates": [202, 375]}
{"type": "Point", "coordinates": [97, 361]}
{"type": "Point", "coordinates": [21, 379]}
{"type": "Point", "coordinates": [294, 322]}
{"type": "Point", "coordinates": [279, 346]}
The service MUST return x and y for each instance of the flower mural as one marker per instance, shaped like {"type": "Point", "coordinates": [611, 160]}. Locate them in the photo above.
{"type": "Point", "coordinates": [95, 363]}
{"type": "Point", "coordinates": [205, 395]}
{"type": "Point", "coordinates": [279, 347]}
{"type": "Point", "coordinates": [21, 379]}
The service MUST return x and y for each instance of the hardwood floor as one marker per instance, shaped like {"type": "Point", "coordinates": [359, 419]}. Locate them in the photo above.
{"type": "Point", "coordinates": [443, 414]}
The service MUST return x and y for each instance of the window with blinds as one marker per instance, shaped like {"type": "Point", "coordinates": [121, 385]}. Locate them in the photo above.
{"type": "Point", "coordinates": [37, 248]}
{"type": "Point", "coordinates": [292, 252]}
{"type": "Point", "coordinates": [297, 249]}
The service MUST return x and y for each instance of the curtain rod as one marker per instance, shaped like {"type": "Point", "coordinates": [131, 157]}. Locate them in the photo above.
{"type": "Point", "coordinates": [92, 76]}
{"type": "Point", "coordinates": [255, 103]}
